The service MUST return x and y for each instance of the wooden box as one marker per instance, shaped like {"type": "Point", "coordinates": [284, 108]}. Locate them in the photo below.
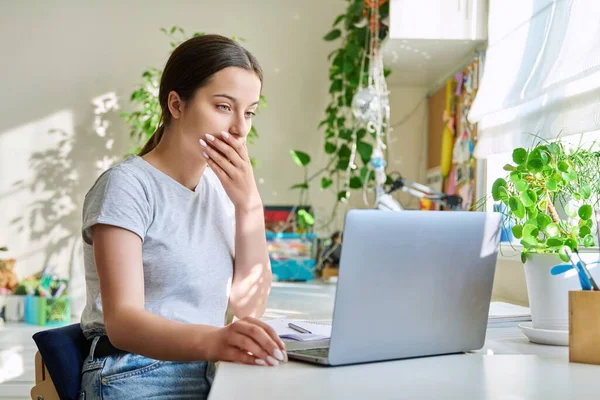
{"type": "Point", "coordinates": [584, 327]}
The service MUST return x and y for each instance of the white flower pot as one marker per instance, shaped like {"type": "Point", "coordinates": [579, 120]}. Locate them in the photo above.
{"type": "Point", "coordinates": [14, 308]}
{"type": "Point", "coordinates": [549, 294]}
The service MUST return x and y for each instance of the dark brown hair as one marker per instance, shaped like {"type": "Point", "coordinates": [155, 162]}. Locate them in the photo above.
{"type": "Point", "coordinates": [191, 66]}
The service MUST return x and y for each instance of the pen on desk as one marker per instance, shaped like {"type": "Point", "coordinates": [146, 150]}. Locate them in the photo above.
{"type": "Point", "coordinates": [298, 328]}
{"type": "Point", "coordinates": [586, 273]}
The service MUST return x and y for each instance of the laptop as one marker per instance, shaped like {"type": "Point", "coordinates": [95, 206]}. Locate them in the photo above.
{"type": "Point", "coordinates": [410, 284]}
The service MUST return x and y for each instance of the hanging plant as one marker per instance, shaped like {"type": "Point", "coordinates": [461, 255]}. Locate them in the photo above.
{"type": "Point", "coordinates": [348, 145]}
{"type": "Point", "coordinates": [145, 118]}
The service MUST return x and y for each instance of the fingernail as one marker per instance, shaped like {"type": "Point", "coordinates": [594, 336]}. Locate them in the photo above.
{"type": "Point", "coordinates": [272, 361]}
{"type": "Point", "coordinates": [225, 134]}
{"type": "Point", "coordinates": [279, 355]}
{"type": "Point", "coordinates": [205, 155]}
{"type": "Point", "coordinates": [202, 143]}
{"type": "Point", "coordinates": [258, 361]}
{"type": "Point", "coordinates": [210, 137]}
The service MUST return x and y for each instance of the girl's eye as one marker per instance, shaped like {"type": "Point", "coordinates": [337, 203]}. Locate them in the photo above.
{"type": "Point", "coordinates": [224, 107]}
{"type": "Point", "coordinates": [250, 114]}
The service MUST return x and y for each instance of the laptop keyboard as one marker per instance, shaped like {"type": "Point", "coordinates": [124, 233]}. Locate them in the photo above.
{"type": "Point", "coordinates": [319, 352]}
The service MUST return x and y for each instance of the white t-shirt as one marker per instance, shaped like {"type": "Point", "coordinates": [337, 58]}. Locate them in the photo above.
{"type": "Point", "coordinates": [188, 241]}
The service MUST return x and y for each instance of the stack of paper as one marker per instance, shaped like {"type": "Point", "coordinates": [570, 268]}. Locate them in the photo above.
{"type": "Point", "coordinates": [318, 330]}
{"type": "Point", "coordinates": [501, 312]}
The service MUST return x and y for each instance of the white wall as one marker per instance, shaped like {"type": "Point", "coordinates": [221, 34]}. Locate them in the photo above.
{"type": "Point", "coordinates": [408, 106]}
{"type": "Point", "coordinates": [71, 65]}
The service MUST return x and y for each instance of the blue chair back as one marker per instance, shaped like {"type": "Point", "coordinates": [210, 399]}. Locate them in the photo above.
{"type": "Point", "coordinates": [63, 351]}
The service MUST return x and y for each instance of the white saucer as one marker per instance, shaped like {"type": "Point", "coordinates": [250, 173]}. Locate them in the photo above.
{"type": "Point", "coordinates": [544, 336]}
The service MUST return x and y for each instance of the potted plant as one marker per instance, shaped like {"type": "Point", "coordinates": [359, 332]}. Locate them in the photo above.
{"type": "Point", "coordinates": [550, 193]}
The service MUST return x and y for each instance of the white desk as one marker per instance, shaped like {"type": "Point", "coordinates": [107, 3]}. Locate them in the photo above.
{"type": "Point", "coordinates": [507, 368]}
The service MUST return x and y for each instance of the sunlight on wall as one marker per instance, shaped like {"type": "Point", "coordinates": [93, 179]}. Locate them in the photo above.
{"type": "Point", "coordinates": [16, 149]}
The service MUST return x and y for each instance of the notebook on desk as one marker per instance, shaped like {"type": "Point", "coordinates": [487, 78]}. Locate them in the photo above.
{"type": "Point", "coordinates": [319, 330]}
{"type": "Point", "coordinates": [505, 313]}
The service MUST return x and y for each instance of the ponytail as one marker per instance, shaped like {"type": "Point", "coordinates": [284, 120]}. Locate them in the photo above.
{"type": "Point", "coordinates": [153, 141]}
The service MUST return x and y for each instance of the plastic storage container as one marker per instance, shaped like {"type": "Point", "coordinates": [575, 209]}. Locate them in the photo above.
{"type": "Point", "coordinates": [48, 311]}
{"type": "Point", "coordinates": [292, 255]}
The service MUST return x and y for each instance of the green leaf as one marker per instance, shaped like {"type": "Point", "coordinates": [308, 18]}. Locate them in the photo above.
{"type": "Point", "coordinates": [552, 230]}
{"type": "Point", "coordinates": [548, 171]}
{"type": "Point", "coordinates": [535, 164]}
{"type": "Point", "coordinates": [516, 207]}
{"type": "Point", "coordinates": [342, 195]}
{"type": "Point", "coordinates": [366, 174]}
{"type": "Point", "coordinates": [355, 182]}
{"type": "Point", "coordinates": [515, 176]}
{"type": "Point", "coordinates": [336, 86]}
{"type": "Point", "coordinates": [519, 156]}
{"type": "Point", "coordinates": [334, 34]}
{"type": "Point", "coordinates": [509, 167]}
{"type": "Point", "coordinates": [361, 133]}
{"type": "Point", "coordinates": [529, 198]}
{"type": "Point", "coordinates": [343, 164]}
{"type": "Point", "coordinates": [299, 186]}
{"type": "Point", "coordinates": [523, 257]}
{"type": "Point", "coordinates": [305, 218]}
{"type": "Point", "coordinates": [570, 176]}
{"type": "Point", "coordinates": [325, 183]}
{"type": "Point", "coordinates": [338, 19]}
{"type": "Point", "coordinates": [543, 220]}
{"type": "Point", "coordinates": [553, 148]}
{"type": "Point", "coordinates": [300, 157]}
{"type": "Point", "coordinates": [554, 242]}
{"type": "Point", "coordinates": [530, 231]}
{"type": "Point", "coordinates": [584, 231]}
{"type": "Point", "coordinates": [564, 254]}
{"type": "Point", "coordinates": [585, 191]}
{"type": "Point", "coordinates": [532, 212]}
{"type": "Point", "coordinates": [563, 166]}
{"type": "Point", "coordinates": [572, 243]}
{"type": "Point", "coordinates": [496, 187]}
{"type": "Point", "coordinates": [588, 241]}
{"type": "Point", "coordinates": [551, 185]}
{"type": "Point", "coordinates": [585, 212]}
{"type": "Point", "coordinates": [517, 231]}
{"type": "Point", "coordinates": [503, 194]}
{"type": "Point", "coordinates": [521, 185]}
{"type": "Point", "coordinates": [344, 151]}
{"type": "Point", "coordinates": [365, 150]}
{"type": "Point", "coordinates": [346, 134]}
{"type": "Point", "coordinates": [330, 148]}
{"type": "Point", "coordinates": [529, 242]}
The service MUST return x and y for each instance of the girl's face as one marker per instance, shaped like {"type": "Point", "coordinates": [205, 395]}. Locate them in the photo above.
{"type": "Point", "coordinates": [227, 103]}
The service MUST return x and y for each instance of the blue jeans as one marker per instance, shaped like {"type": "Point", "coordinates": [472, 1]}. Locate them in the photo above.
{"type": "Point", "coordinates": [131, 376]}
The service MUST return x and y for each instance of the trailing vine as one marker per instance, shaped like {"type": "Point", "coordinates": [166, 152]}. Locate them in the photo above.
{"type": "Point", "coordinates": [346, 141]}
